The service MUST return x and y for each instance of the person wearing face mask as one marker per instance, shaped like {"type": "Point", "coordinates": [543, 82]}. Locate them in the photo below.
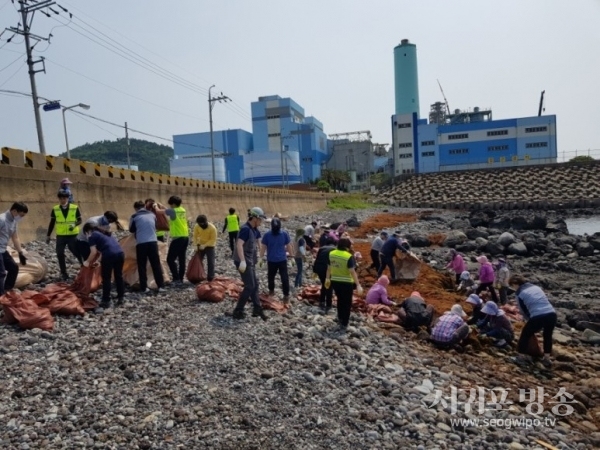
{"type": "Point", "coordinates": [67, 218]}
{"type": "Point", "coordinates": [8, 230]}
{"type": "Point", "coordinates": [245, 258]}
{"type": "Point", "coordinates": [111, 260]}
{"type": "Point", "coordinates": [101, 222]}
{"type": "Point", "coordinates": [205, 239]}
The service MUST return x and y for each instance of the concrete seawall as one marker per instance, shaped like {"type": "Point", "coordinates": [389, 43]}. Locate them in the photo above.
{"type": "Point", "coordinates": [96, 194]}
{"type": "Point", "coordinates": [557, 186]}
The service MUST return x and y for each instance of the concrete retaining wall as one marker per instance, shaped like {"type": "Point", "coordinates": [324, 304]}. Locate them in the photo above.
{"type": "Point", "coordinates": [558, 186]}
{"type": "Point", "coordinates": [103, 188]}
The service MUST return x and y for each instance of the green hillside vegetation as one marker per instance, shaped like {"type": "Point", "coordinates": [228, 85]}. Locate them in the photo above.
{"type": "Point", "coordinates": [148, 156]}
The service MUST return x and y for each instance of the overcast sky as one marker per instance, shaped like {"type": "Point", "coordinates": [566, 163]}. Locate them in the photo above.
{"type": "Point", "coordinates": [333, 57]}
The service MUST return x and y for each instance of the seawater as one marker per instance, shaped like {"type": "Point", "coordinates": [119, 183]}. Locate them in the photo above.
{"type": "Point", "coordinates": [583, 225]}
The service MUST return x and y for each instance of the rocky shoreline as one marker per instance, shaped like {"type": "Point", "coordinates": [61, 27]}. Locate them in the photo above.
{"type": "Point", "coordinates": [167, 371]}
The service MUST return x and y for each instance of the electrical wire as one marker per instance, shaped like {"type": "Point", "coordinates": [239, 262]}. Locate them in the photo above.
{"type": "Point", "coordinates": [13, 75]}
{"type": "Point", "coordinates": [125, 93]}
{"type": "Point", "coordinates": [98, 126]}
{"type": "Point", "coordinates": [6, 67]}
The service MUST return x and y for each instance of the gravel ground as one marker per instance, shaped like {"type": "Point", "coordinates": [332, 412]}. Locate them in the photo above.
{"type": "Point", "coordinates": [166, 371]}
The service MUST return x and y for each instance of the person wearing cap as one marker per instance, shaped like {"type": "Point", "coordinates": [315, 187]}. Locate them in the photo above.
{"type": "Point", "coordinates": [245, 258]}
{"type": "Point", "coordinates": [450, 328]}
{"type": "Point", "coordinates": [539, 313]}
{"type": "Point", "coordinates": [205, 241]}
{"type": "Point", "coordinates": [378, 292]}
{"type": "Point", "coordinates": [180, 238]}
{"type": "Point", "coordinates": [65, 185]}
{"type": "Point", "coordinates": [103, 224]}
{"type": "Point", "coordinates": [67, 218]}
{"type": "Point", "coordinates": [486, 277]}
{"type": "Point", "coordinates": [143, 226]}
{"type": "Point", "coordinates": [457, 264]}
{"type": "Point", "coordinates": [475, 301]}
{"type": "Point", "coordinates": [376, 248]}
{"type": "Point", "coordinates": [275, 243]}
{"type": "Point", "coordinates": [496, 325]}
{"type": "Point", "coordinates": [320, 268]}
{"type": "Point", "coordinates": [502, 277]}
{"type": "Point", "coordinates": [232, 226]}
{"type": "Point", "coordinates": [414, 312]}
{"type": "Point", "coordinates": [309, 234]}
{"type": "Point", "coordinates": [387, 253]}
{"type": "Point", "coordinates": [342, 277]}
{"type": "Point", "coordinates": [9, 270]}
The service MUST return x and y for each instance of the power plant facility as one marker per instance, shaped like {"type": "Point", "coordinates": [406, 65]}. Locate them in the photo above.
{"type": "Point", "coordinates": [460, 139]}
{"type": "Point", "coordinates": [286, 147]}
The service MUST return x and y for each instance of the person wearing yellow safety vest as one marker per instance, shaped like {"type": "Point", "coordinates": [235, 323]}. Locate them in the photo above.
{"type": "Point", "coordinates": [342, 277]}
{"type": "Point", "coordinates": [232, 225]}
{"type": "Point", "coordinates": [67, 217]}
{"type": "Point", "coordinates": [180, 238]}
{"type": "Point", "coordinates": [160, 236]}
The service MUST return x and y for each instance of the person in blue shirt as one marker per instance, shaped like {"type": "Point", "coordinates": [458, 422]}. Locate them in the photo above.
{"type": "Point", "coordinates": [275, 243]}
{"type": "Point", "coordinates": [111, 259]}
{"type": "Point", "coordinates": [65, 185]}
{"type": "Point", "coordinates": [387, 252]}
{"type": "Point", "coordinates": [143, 225]}
{"type": "Point", "coordinates": [245, 258]}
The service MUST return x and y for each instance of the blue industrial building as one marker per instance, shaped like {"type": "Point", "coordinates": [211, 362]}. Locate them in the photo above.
{"type": "Point", "coordinates": [462, 140]}
{"type": "Point", "coordinates": [285, 147]}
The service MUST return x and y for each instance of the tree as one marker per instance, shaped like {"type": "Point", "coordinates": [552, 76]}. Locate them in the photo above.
{"type": "Point", "coordinates": [582, 158]}
{"type": "Point", "coordinates": [323, 186]}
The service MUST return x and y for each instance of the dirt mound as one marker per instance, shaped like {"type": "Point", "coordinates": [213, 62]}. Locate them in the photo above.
{"type": "Point", "coordinates": [380, 222]}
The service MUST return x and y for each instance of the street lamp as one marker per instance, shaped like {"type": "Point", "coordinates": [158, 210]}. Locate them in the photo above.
{"type": "Point", "coordinates": [65, 108]}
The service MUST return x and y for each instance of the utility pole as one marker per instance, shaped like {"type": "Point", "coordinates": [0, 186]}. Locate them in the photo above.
{"type": "Point", "coordinates": [127, 146]}
{"type": "Point", "coordinates": [211, 104]}
{"type": "Point", "coordinates": [25, 32]}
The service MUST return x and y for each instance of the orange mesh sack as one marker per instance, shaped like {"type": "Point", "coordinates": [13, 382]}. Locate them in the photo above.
{"type": "Point", "coordinates": [25, 311]}
{"type": "Point", "coordinates": [195, 272]}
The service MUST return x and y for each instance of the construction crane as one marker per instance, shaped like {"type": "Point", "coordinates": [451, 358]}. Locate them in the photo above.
{"type": "Point", "coordinates": [444, 95]}
{"type": "Point", "coordinates": [541, 108]}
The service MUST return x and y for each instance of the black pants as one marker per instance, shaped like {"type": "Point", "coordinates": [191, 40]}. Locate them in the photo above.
{"type": "Point", "coordinates": [387, 261]}
{"type": "Point", "coordinates": [282, 268]}
{"type": "Point", "coordinates": [232, 237]}
{"type": "Point", "coordinates": [310, 243]}
{"type": "Point", "coordinates": [505, 291]}
{"type": "Point", "coordinates": [161, 238]}
{"type": "Point", "coordinates": [61, 243]}
{"type": "Point", "coordinates": [376, 263]}
{"type": "Point", "coordinates": [490, 287]}
{"type": "Point", "coordinates": [326, 299]}
{"type": "Point", "coordinates": [343, 292]}
{"type": "Point", "coordinates": [250, 291]}
{"type": "Point", "coordinates": [148, 251]}
{"type": "Point", "coordinates": [8, 272]}
{"type": "Point", "coordinates": [177, 253]}
{"type": "Point", "coordinates": [457, 278]}
{"type": "Point", "coordinates": [547, 322]}
{"type": "Point", "coordinates": [112, 265]}
{"type": "Point", "coordinates": [209, 252]}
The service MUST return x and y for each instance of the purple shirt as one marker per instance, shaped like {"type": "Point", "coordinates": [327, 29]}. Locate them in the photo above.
{"type": "Point", "coordinates": [445, 327]}
{"type": "Point", "coordinates": [378, 294]}
{"type": "Point", "coordinates": [457, 264]}
{"type": "Point", "coordinates": [486, 273]}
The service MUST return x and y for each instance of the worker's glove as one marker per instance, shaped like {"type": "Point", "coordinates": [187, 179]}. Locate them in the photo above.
{"type": "Point", "coordinates": [22, 259]}
{"type": "Point", "coordinates": [359, 290]}
{"type": "Point", "coordinates": [293, 262]}
{"type": "Point", "coordinates": [327, 283]}
{"type": "Point", "coordinates": [86, 264]}
{"type": "Point", "coordinates": [242, 267]}
{"type": "Point", "coordinates": [201, 247]}
{"type": "Point", "coordinates": [71, 227]}
{"type": "Point", "coordinates": [47, 239]}
{"type": "Point", "coordinates": [261, 263]}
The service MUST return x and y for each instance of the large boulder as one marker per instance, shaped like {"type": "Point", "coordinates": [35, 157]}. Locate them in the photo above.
{"type": "Point", "coordinates": [584, 249]}
{"type": "Point", "coordinates": [494, 249]}
{"type": "Point", "coordinates": [502, 223]}
{"type": "Point", "coordinates": [557, 225]}
{"type": "Point", "coordinates": [474, 233]}
{"type": "Point", "coordinates": [416, 240]}
{"type": "Point", "coordinates": [454, 238]}
{"type": "Point", "coordinates": [517, 248]}
{"type": "Point", "coordinates": [595, 242]}
{"type": "Point", "coordinates": [538, 223]}
{"type": "Point", "coordinates": [467, 247]}
{"type": "Point", "coordinates": [519, 223]}
{"type": "Point", "coordinates": [481, 243]}
{"type": "Point", "coordinates": [569, 240]}
{"type": "Point", "coordinates": [460, 224]}
{"type": "Point", "coordinates": [506, 239]}
{"type": "Point", "coordinates": [481, 218]}
{"type": "Point", "coordinates": [353, 222]}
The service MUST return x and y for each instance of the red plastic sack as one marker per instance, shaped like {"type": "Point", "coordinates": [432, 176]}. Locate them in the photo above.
{"type": "Point", "coordinates": [162, 221]}
{"type": "Point", "coordinates": [195, 270]}
{"type": "Point", "coordinates": [22, 309]}
{"type": "Point", "coordinates": [207, 292]}
{"type": "Point", "coordinates": [88, 280]}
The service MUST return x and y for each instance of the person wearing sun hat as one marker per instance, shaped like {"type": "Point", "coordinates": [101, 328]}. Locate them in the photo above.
{"type": "Point", "coordinates": [475, 301]}
{"type": "Point", "coordinates": [451, 328]}
{"type": "Point", "coordinates": [486, 277]}
{"type": "Point", "coordinates": [496, 325]}
{"type": "Point", "coordinates": [378, 292]}
{"type": "Point", "coordinates": [65, 185]}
